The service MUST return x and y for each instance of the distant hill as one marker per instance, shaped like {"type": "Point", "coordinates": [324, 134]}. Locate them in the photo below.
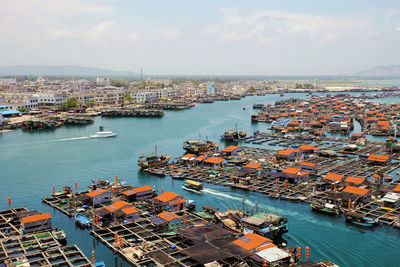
{"type": "Point", "coordinates": [381, 71]}
{"type": "Point", "coordinates": [60, 71]}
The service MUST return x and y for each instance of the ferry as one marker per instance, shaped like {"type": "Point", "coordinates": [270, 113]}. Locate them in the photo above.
{"type": "Point", "coordinates": [152, 160]}
{"type": "Point", "coordinates": [193, 186]}
{"type": "Point", "coordinates": [326, 208]}
{"type": "Point", "coordinates": [359, 219]}
{"type": "Point", "coordinates": [104, 134]}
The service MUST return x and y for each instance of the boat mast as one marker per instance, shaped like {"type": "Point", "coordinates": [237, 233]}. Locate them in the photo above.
{"type": "Point", "coordinates": [155, 150]}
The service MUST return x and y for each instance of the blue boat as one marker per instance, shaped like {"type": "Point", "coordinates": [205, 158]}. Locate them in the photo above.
{"type": "Point", "coordinates": [82, 220]}
{"type": "Point", "coordinates": [360, 219]}
{"type": "Point", "coordinates": [99, 264]}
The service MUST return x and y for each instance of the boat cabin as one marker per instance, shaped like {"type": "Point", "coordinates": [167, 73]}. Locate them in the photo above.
{"type": "Point", "coordinates": [390, 201]}
{"type": "Point", "coordinates": [138, 193]}
{"type": "Point", "coordinates": [189, 184]}
{"type": "Point", "coordinates": [99, 196]}
{"type": "Point", "coordinates": [34, 223]}
{"type": "Point", "coordinates": [169, 201]}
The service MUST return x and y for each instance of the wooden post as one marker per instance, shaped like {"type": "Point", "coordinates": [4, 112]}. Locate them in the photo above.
{"type": "Point", "coordinates": [54, 189]}
{"type": "Point", "coordinates": [98, 181]}
{"type": "Point", "coordinates": [9, 201]}
{"type": "Point", "coordinates": [76, 185]}
{"type": "Point", "coordinates": [116, 178]}
{"type": "Point", "coordinates": [285, 183]}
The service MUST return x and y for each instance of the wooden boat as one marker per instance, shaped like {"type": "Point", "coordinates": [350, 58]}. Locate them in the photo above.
{"type": "Point", "coordinates": [59, 235]}
{"type": "Point", "coordinates": [193, 186]}
{"type": "Point", "coordinates": [230, 219]}
{"type": "Point", "coordinates": [266, 224]}
{"type": "Point", "coordinates": [152, 160]}
{"type": "Point", "coordinates": [155, 172]}
{"type": "Point", "coordinates": [198, 147]}
{"type": "Point", "coordinates": [359, 219]}
{"type": "Point", "coordinates": [326, 208]}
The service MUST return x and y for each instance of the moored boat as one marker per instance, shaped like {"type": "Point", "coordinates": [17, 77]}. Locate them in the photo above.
{"type": "Point", "coordinates": [152, 160]}
{"type": "Point", "coordinates": [359, 219]}
{"type": "Point", "coordinates": [59, 235]}
{"type": "Point", "coordinates": [266, 224]}
{"type": "Point", "coordinates": [197, 147]}
{"type": "Point", "coordinates": [326, 208]}
{"type": "Point", "coordinates": [230, 219]}
{"type": "Point", "coordinates": [82, 220]}
{"type": "Point", "coordinates": [193, 186]}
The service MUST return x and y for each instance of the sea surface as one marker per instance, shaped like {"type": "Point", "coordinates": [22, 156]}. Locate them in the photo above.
{"type": "Point", "coordinates": [32, 162]}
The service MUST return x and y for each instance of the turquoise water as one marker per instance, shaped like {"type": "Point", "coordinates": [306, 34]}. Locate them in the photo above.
{"type": "Point", "coordinates": [31, 162]}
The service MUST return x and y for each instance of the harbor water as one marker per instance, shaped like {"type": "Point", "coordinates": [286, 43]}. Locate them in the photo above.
{"type": "Point", "coordinates": [32, 162]}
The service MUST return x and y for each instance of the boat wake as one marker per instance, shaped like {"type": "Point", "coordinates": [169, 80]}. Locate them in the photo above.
{"type": "Point", "coordinates": [74, 138]}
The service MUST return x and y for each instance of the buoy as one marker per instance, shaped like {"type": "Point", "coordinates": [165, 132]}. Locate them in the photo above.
{"type": "Point", "coordinates": [307, 253]}
{"type": "Point", "coordinates": [93, 261]}
{"type": "Point", "coordinates": [201, 172]}
{"type": "Point", "coordinates": [120, 241]}
{"type": "Point", "coordinates": [75, 206]}
{"type": "Point", "coordinates": [97, 219]}
{"type": "Point", "coordinates": [204, 218]}
{"type": "Point", "coordinates": [276, 183]}
{"type": "Point", "coordinates": [98, 181]}
{"type": "Point", "coordinates": [93, 220]}
{"type": "Point", "coordinates": [9, 201]}
{"type": "Point", "coordinates": [299, 253]}
{"type": "Point", "coordinates": [285, 183]}
{"type": "Point", "coordinates": [76, 185]}
{"type": "Point", "coordinates": [162, 190]}
{"type": "Point", "coordinates": [54, 189]}
{"type": "Point", "coordinates": [265, 264]}
{"type": "Point", "coordinates": [116, 178]}
{"type": "Point", "coordinates": [349, 203]}
{"type": "Point", "coordinates": [388, 212]}
{"type": "Point", "coordinates": [115, 238]}
{"type": "Point", "coordinates": [187, 202]}
{"type": "Point", "coordinates": [193, 173]}
{"type": "Point", "coordinates": [185, 218]}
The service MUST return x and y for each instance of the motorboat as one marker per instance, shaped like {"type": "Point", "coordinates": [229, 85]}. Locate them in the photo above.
{"type": "Point", "coordinates": [104, 134]}
{"type": "Point", "coordinates": [82, 220]}
{"type": "Point", "coordinates": [59, 235]}
{"type": "Point", "coordinates": [193, 186]}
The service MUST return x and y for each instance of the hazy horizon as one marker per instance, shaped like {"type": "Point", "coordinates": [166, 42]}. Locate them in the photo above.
{"type": "Point", "coordinates": [226, 38]}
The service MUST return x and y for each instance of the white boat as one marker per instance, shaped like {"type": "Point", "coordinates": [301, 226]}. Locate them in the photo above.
{"type": "Point", "coordinates": [103, 134]}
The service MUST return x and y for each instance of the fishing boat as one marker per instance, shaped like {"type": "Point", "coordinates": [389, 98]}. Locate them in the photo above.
{"type": "Point", "coordinates": [237, 161]}
{"type": "Point", "coordinates": [327, 208]}
{"type": "Point", "coordinates": [152, 160]}
{"type": "Point", "coordinates": [155, 172]}
{"type": "Point", "coordinates": [266, 224]}
{"type": "Point", "coordinates": [230, 219]}
{"type": "Point", "coordinates": [232, 135]}
{"type": "Point", "coordinates": [104, 134]}
{"type": "Point", "coordinates": [197, 147]}
{"type": "Point", "coordinates": [59, 235]}
{"type": "Point", "coordinates": [359, 219]}
{"type": "Point", "coordinates": [193, 186]}
{"type": "Point", "coordinates": [82, 220]}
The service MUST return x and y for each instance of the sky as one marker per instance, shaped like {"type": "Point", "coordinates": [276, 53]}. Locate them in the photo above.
{"type": "Point", "coordinates": [203, 37]}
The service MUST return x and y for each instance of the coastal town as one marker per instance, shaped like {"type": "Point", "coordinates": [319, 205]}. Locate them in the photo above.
{"type": "Point", "coordinates": [45, 103]}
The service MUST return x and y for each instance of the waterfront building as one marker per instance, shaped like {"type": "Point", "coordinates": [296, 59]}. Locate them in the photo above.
{"type": "Point", "coordinates": [99, 196]}
{"type": "Point", "coordinates": [166, 220]}
{"type": "Point", "coordinates": [295, 175]}
{"type": "Point", "coordinates": [50, 99]}
{"type": "Point", "coordinates": [216, 162]}
{"type": "Point", "coordinates": [5, 111]}
{"type": "Point", "coordinates": [169, 201]}
{"type": "Point", "coordinates": [37, 222]}
{"type": "Point", "coordinates": [138, 193]}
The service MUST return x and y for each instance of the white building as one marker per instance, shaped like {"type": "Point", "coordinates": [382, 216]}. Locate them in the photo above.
{"type": "Point", "coordinates": [51, 99]}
